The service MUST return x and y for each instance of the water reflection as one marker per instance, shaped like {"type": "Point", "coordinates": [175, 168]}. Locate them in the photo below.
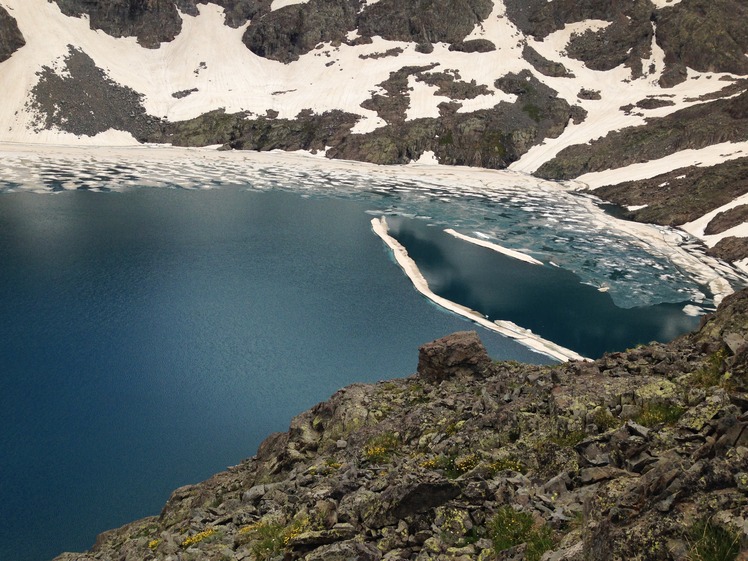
{"type": "Point", "coordinates": [550, 301]}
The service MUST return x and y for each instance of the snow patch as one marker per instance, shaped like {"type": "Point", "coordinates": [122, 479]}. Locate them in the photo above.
{"type": "Point", "coordinates": [423, 100]}
{"type": "Point", "coordinates": [427, 158]}
{"type": "Point", "coordinates": [696, 227]}
{"type": "Point", "coordinates": [665, 3]}
{"type": "Point", "coordinates": [278, 4]}
{"type": "Point", "coordinates": [703, 157]}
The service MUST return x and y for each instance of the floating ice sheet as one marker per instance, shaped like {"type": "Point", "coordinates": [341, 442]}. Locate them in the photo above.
{"type": "Point", "coordinates": [640, 265]}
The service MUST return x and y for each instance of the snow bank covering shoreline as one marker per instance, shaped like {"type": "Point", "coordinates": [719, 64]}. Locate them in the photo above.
{"type": "Point", "coordinates": [33, 168]}
{"type": "Point", "coordinates": [29, 167]}
{"type": "Point", "coordinates": [506, 328]}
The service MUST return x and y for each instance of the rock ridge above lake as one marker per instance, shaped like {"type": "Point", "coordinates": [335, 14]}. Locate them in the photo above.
{"type": "Point", "coordinates": [641, 454]}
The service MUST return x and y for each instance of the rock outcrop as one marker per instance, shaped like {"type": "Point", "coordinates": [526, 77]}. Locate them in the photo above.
{"type": "Point", "coordinates": [698, 126]}
{"type": "Point", "coordinates": [640, 455]}
{"type": "Point", "coordinates": [154, 22]}
{"type": "Point", "coordinates": [11, 38]}
{"type": "Point", "coordinates": [288, 32]}
{"type": "Point", "coordinates": [708, 36]}
{"type": "Point", "coordinates": [681, 195]}
{"type": "Point", "coordinates": [151, 21]}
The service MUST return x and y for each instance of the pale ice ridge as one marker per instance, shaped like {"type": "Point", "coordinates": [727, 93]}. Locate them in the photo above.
{"type": "Point", "coordinates": [517, 212]}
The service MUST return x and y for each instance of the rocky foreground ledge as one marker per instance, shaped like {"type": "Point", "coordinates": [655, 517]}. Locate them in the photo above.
{"type": "Point", "coordinates": [641, 455]}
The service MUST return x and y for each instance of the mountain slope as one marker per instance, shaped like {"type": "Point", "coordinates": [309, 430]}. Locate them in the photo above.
{"type": "Point", "coordinates": [562, 88]}
{"type": "Point", "coordinates": [635, 456]}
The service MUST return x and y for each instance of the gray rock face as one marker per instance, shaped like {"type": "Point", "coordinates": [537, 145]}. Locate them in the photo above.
{"type": "Point", "coordinates": [723, 120]}
{"type": "Point", "coordinates": [288, 32]}
{"type": "Point", "coordinates": [730, 249]}
{"type": "Point", "coordinates": [684, 194]}
{"type": "Point", "coordinates": [423, 21]}
{"type": "Point", "coordinates": [708, 36]}
{"type": "Point", "coordinates": [543, 65]}
{"type": "Point", "coordinates": [626, 41]}
{"type": "Point", "coordinates": [291, 31]}
{"type": "Point", "coordinates": [11, 38]}
{"type": "Point", "coordinates": [85, 101]}
{"type": "Point", "coordinates": [151, 21]}
{"type": "Point", "coordinates": [155, 21]}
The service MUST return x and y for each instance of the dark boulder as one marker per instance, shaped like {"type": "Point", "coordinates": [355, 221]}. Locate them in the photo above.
{"type": "Point", "coordinates": [459, 354]}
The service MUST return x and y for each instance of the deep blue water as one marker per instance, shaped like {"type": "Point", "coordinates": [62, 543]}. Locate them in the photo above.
{"type": "Point", "coordinates": [153, 337]}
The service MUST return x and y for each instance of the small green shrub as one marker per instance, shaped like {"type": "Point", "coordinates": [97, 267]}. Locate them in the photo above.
{"type": "Point", "coordinates": [380, 448]}
{"type": "Point", "coordinates": [656, 413]}
{"type": "Point", "coordinates": [710, 542]}
{"type": "Point", "coordinates": [711, 373]}
{"type": "Point", "coordinates": [453, 466]}
{"type": "Point", "coordinates": [267, 540]}
{"type": "Point", "coordinates": [540, 541]}
{"type": "Point", "coordinates": [568, 439]}
{"type": "Point", "coordinates": [509, 463]}
{"type": "Point", "coordinates": [509, 528]}
{"type": "Point", "coordinates": [604, 420]}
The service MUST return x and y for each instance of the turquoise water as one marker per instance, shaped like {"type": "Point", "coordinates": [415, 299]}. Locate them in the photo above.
{"type": "Point", "coordinates": [151, 337]}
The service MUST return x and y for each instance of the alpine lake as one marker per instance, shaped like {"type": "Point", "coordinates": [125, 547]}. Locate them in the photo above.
{"type": "Point", "coordinates": [155, 331]}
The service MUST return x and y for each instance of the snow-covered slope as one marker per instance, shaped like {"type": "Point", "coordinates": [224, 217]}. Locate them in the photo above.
{"type": "Point", "coordinates": [209, 60]}
{"type": "Point", "coordinates": [520, 84]}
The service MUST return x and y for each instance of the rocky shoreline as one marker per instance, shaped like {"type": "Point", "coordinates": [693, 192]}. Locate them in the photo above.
{"type": "Point", "coordinates": [640, 455]}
